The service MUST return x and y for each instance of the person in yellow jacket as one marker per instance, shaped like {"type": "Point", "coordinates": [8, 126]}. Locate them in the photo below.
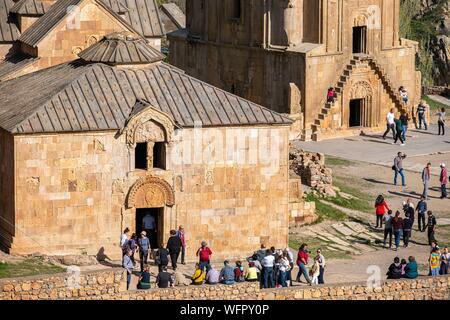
{"type": "Point", "coordinates": [199, 275]}
{"type": "Point", "coordinates": [251, 274]}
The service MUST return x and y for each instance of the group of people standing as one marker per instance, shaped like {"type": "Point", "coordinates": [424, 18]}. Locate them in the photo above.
{"type": "Point", "coordinates": [270, 267]}
{"type": "Point", "coordinates": [425, 176]}
{"type": "Point", "coordinates": [400, 225]}
{"type": "Point", "coordinates": [143, 246]}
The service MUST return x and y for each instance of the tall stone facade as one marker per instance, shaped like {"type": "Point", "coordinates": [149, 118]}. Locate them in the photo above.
{"type": "Point", "coordinates": [75, 193]}
{"type": "Point", "coordinates": [286, 54]}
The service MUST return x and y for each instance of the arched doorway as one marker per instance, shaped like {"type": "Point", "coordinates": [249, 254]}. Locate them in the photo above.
{"type": "Point", "coordinates": [150, 196]}
{"type": "Point", "coordinates": [360, 105]}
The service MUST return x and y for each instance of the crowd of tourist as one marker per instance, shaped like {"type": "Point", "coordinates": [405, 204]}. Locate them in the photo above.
{"type": "Point", "coordinates": [271, 268]}
{"type": "Point", "coordinates": [400, 225]}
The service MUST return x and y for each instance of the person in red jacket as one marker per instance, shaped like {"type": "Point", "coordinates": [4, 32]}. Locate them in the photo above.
{"type": "Point", "coordinates": [380, 209]}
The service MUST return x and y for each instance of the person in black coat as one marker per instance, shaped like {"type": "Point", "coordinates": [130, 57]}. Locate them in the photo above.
{"type": "Point", "coordinates": [174, 245]}
{"type": "Point", "coordinates": [395, 269]}
{"type": "Point", "coordinates": [162, 258]}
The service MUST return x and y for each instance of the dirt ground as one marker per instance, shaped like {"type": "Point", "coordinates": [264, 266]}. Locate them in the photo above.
{"type": "Point", "coordinates": [376, 179]}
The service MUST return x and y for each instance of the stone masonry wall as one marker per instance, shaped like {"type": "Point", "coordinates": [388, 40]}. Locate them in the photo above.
{"type": "Point", "coordinates": [110, 284]}
{"type": "Point", "coordinates": [104, 283]}
{"type": "Point", "coordinates": [71, 191]}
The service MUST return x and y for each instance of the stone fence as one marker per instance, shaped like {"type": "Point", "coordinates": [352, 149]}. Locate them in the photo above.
{"type": "Point", "coordinates": [110, 284]}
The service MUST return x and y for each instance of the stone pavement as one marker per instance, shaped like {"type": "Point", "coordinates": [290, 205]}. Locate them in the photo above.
{"type": "Point", "coordinates": [373, 149]}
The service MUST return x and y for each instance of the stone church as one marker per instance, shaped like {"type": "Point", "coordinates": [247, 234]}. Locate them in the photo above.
{"type": "Point", "coordinates": [37, 34]}
{"type": "Point", "coordinates": [285, 54]}
{"type": "Point", "coordinates": [89, 146]}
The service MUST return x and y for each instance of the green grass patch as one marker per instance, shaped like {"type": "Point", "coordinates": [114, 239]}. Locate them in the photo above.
{"type": "Point", "coordinates": [359, 200]}
{"type": "Point", "coordinates": [29, 267]}
{"type": "Point", "coordinates": [335, 161]}
{"type": "Point", "coordinates": [314, 244]}
{"type": "Point", "coordinates": [325, 211]}
{"type": "Point", "coordinates": [434, 105]}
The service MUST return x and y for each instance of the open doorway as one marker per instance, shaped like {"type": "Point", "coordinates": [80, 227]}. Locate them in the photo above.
{"type": "Point", "coordinates": [359, 39]}
{"type": "Point", "coordinates": [155, 234]}
{"type": "Point", "coordinates": [355, 115]}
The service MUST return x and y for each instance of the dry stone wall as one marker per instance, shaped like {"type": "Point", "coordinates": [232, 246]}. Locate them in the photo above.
{"type": "Point", "coordinates": [110, 284]}
{"type": "Point", "coordinates": [310, 167]}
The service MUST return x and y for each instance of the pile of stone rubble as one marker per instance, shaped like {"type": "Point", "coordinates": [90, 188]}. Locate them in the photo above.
{"type": "Point", "coordinates": [310, 168]}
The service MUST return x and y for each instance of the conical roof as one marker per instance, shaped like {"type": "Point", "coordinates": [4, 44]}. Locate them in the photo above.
{"type": "Point", "coordinates": [121, 48]}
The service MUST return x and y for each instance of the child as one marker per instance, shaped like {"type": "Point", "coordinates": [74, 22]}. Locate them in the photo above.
{"type": "Point", "coordinates": [330, 95]}
{"type": "Point", "coordinates": [315, 271]}
{"type": "Point", "coordinates": [239, 272]}
{"type": "Point", "coordinates": [434, 262]}
{"type": "Point", "coordinates": [403, 265]}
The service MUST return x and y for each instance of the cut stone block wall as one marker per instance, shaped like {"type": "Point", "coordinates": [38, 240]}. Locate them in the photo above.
{"type": "Point", "coordinates": [110, 285]}
{"type": "Point", "coordinates": [71, 192]}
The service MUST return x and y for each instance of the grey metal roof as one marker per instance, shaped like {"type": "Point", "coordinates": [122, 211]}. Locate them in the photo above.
{"type": "Point", "coordinates": [117, 6]}
{"type": "Point", "coordinates": [174, 13]}
{"type": "Point", "coordinates": [121, 48]}
{"type": "Point", "coordinates": [8, 28]}
{"type": "Point", "coordinates": [57, 12]}
{"type": "Point", "coordinates": [15, 63]}
{"type": "Point", "coordinates": [77, 96]}
{"type": "Point", "coordinates": [144, 16]}
{"type": "Point", "coordinates": [30, 7]}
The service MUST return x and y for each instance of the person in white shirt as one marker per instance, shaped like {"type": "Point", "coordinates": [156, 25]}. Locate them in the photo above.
{"type": "Point", "coordinates": [290, 257]}
{"type": "Point", "coordinates": [124, 237]}
{"type": "Point", "coordinates": [390, 123]}
{"type": "Point", "coordinates": [268, 263]}
{"type": "Point", "coordinates": [283, 269]}
{"type": "Point", "coordinates": [314, 272]}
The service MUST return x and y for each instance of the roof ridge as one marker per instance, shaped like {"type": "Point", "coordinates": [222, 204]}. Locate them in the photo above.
{"type": "Point", "coordinates": [56, 14]}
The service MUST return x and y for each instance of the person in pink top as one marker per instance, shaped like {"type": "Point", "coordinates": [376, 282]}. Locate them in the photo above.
{"type": "Point", "coordinates": [181, 235]}
{"type": "Point", "coordinates": [380, 210]}
{"type": "Point", "coordinates": [443, 179]}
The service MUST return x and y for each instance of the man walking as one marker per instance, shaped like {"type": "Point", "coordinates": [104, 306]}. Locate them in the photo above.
{"type": "Point", "coordinates": [404, 118]}
{"type": "Point", "coordinates": [302, 262]}
{"type": "Point", "coordinates": [144, 247]}
{"type": "Point", "coordinates": [426, 176]}
{"type": "Point", "coordinates": [431, 226]}
{"type": "Point", "coordinates": [398, 168]}
{"type": "Point", "coordinates": [398, 132]}
{"type": "Point", "coordinates": [443, 179]}
{"type": "Point", "coordinates": [421, 113]}
{"type": "Point", "coordinates": [390, 124]}
{"type": "Point", "coordinates": [174, 246]}
{"type": "Point", "coordinates": [149, 226]}
{"type": "Point", "coordinates": [421, 209]}
{"type": "Point", "coordinates": [181, 235]}
{"type": "Point", "coordinates": [441, 121]}
{"type": "Point", "coordinates": [388, 228]}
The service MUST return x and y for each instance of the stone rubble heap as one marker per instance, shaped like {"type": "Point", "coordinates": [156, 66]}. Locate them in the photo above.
{"type": "Point", "coordinates": [310, 167]}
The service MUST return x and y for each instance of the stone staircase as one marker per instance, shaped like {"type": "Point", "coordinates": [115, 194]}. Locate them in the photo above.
{"type": "Point", "coordinates": [315, 131]}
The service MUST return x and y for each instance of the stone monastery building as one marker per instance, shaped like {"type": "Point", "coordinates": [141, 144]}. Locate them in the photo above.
{"type": "Point", "coordinates": [93, 139]}
{"type": "Point", "coordinates": [285, 54]}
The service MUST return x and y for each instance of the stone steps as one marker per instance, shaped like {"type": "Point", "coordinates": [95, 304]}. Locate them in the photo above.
{"type": "Point", "coordinates": [379, 70]}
